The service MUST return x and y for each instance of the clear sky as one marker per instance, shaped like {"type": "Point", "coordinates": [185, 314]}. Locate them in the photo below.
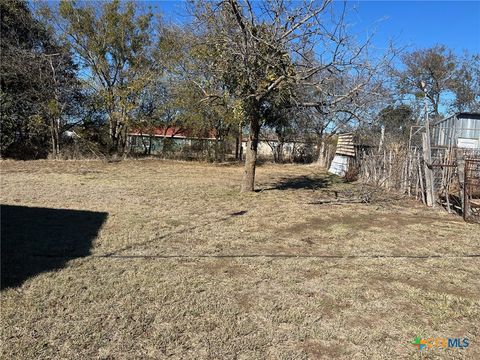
{"type": "Point", "coordinates": [423, 23]}
{"type": "Point", "coordinates": [416, 24]}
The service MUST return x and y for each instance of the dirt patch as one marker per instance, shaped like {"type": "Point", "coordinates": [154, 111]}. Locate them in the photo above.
{"type": "Point", "coordinates": [245, 302]}
{"type": "Point", "coordinates": [323, 350]}
{"type": "Point", "coordinates": [363, 221]}
{"type": "Point", "coordinates": [439, 287]}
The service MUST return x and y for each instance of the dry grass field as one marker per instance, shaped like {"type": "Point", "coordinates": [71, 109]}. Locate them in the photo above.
{"type": "Point", "coordinates": [155, 259]}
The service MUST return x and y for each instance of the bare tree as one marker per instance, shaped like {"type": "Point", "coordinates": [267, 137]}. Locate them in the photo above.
{"type": "Point", "coordinates": [435, 67]}
{"type": "Point", "coordinates": [264, 52]}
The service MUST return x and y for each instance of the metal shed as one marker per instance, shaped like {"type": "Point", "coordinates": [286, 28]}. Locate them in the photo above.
{"type": "Point", "coordinates": [461, 130]}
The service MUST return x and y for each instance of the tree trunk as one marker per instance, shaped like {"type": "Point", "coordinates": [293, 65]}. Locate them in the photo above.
{"type": "Point", "coordinates": [321, 161]}
{"type": "Point", "coordinates": [238, 144]}
{"type": "Point", "coordinates": [55, 122]}
{"type": "Point", "coordinates": [251, 155]}
{"type": "Point", "coordinates": [217, 149]}
{"type": "Point", "coordinates": [55, 135]}
{"type": "Point", "coordinates": [279, 150]}
{"type": "Point", "coordinates": [113, 145]}
{"type": "Point", "coordinates": [223, 150]}
{"type": "Point", "coordinates": [122, 135]}
{"type": "Point", "coordinates": [321, 153]}
{"type": "Point", "coordinates": [52, 132]}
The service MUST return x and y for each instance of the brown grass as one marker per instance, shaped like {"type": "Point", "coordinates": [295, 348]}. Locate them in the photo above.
{"type": "Point", "coordinates": [184, 266]}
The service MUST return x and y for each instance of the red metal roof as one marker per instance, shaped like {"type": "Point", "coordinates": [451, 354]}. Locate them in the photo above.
{"type": "Point", "coordinates": [174, 132]}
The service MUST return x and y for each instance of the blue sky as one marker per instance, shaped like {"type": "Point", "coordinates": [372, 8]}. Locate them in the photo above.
{"type": "Point", "coordinates": [416, 24]}
{"type": "Point", "coordinates": [423, 23]}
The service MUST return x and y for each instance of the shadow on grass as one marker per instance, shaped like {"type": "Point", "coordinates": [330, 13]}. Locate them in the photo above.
{"type": "Point", "coordinates": [35, 240]}
{"type": "Point", "coordinates": [306, 182]}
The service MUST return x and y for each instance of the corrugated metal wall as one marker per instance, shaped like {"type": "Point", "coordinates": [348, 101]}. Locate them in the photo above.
{"type": "Point", "coordinates": [448, 131]}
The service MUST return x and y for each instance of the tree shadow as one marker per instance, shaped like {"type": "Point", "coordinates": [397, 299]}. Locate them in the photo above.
{"type": "Point", "coordinates": [306, 182]}
{"type": "Point", "coordinates": [36, 240]}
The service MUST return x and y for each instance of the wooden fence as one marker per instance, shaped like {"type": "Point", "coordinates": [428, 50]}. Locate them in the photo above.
{"type": "Point", "coordinates": [405, 170]}
{"type": "Point", "coordinates": [394, 169]}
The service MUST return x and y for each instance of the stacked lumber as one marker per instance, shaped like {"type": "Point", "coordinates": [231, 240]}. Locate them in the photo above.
{"type": "Point", "coordinates": [345, 145]}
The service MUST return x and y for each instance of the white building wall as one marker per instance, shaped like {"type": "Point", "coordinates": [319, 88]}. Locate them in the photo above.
{"type": "Point", "coordinates": [264, 149]}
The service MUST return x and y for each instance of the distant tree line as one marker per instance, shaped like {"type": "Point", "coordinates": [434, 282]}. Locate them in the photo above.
{"type": "Point", "coordinates": [90, 73]}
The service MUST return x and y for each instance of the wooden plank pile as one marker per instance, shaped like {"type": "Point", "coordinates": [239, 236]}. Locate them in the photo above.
{"type": "Point", "coordinates": [345, 145]}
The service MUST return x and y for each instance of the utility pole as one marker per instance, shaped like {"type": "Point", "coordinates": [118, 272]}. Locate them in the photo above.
{"type": "Point", "coordinates": [427, 153]}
